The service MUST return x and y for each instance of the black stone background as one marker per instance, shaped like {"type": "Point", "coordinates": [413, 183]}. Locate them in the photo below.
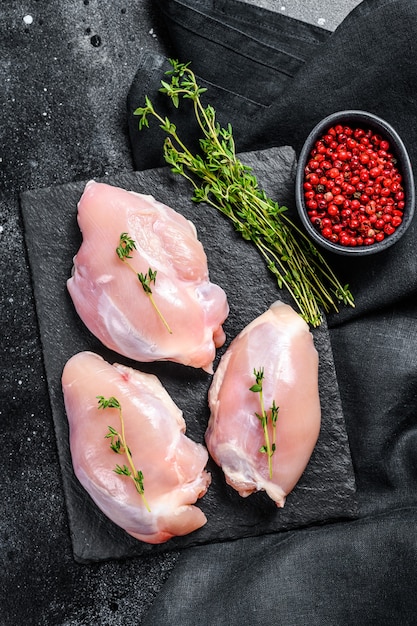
{"type": "Point", "coordinates": [63, 102]}
{"type": "Point", "coordinates": [64, 80]}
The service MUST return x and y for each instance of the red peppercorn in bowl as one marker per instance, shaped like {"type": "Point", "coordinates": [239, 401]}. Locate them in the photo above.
{"type": "Point", "coordinates": [354, 186]}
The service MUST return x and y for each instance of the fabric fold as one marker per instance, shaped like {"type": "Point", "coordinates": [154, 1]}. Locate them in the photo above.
{"type": "Point", "coordinates": [245, 56]}
{"type": "Point", "coordinates": [319, 577]}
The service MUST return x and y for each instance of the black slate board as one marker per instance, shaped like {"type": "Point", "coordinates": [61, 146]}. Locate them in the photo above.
{"type": "Point", "coordinates": [325, 492]}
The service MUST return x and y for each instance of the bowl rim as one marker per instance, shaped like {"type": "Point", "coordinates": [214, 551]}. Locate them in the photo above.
{"type": "Point", "coordinates": [399, 149]}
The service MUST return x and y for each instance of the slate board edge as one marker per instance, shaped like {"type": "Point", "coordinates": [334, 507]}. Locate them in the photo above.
{"type": "Point", "coordinates": [71, 484]}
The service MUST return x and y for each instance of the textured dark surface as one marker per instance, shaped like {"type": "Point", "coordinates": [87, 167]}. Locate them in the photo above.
{"type": "Point", "coordinates": [63, 103]}
{"type": "Point", "coordinates": [65, 78]}
{"type": "Point", "coordinates": [327, 488]}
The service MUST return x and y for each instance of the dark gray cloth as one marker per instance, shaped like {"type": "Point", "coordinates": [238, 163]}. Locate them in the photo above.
{"type": "Point", "coordinates": [361, 572]}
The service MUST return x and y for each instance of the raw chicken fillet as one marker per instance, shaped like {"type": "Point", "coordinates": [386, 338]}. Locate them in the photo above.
{"type": "Point", "coordinates": [173, 466]}
{"type": "Point", "coordinates": [112, 302]}
{"type": "Point", "coordinates": [280, 342]}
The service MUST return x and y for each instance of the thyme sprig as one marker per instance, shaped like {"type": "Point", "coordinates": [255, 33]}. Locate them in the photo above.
{"type": "Point", "coordinates": [221, 180]}
{"type": "Point", "coordinates": [119, 445]}
{"type": "Point", "coordinates": [270, 446]}
{"type": "Point", "coordinates": [123, 251]}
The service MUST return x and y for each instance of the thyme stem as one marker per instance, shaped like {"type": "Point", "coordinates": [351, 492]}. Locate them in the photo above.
{"type": "Point", "coordinates": [119, 445]}
{"type": "Point", "coordinates": [268, 448]}
{"type": "Point", "coordinates": [125, 247]}
{"type": "Point", "coordinates": [220, 179]}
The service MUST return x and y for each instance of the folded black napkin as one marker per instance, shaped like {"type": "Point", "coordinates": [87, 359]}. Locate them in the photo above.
{"type": "Point", "coordinates": [354, 572]}
{"type": "Point", "coordinates": [327, 488]}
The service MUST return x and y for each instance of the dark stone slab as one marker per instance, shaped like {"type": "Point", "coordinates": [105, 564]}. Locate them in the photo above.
{"type": "Point", "coordinates": [325, 492]}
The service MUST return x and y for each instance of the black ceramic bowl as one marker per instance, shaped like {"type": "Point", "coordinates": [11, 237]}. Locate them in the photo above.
{"type": "Point", "coordinates": [364, 120]}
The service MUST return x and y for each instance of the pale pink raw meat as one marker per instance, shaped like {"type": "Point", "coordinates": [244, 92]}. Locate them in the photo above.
{"type": "Point", "coordinates": [109, 297]}
{"type": "Point", "coordinates": [279, 341]}
{"type": "Point", "coordinates": [173, 465]}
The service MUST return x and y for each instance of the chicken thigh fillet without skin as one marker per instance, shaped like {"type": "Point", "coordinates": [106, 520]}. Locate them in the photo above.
{"type": "Point", "coordinates": [110, 299]}
{"type": "Point", "coordinates": [279, 341]}
{"type": "Point", "coordinates": [173, 465]}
